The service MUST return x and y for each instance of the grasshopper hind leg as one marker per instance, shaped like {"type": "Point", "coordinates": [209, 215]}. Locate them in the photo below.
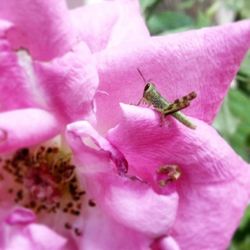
{"type": "Point", "coordinates": [180, 103]}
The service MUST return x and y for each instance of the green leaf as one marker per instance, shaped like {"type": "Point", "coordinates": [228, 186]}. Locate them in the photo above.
{"type": "Point", "coordinates": [203, 20]}
{"type": "Point", "coordinates": [241, 239]}
{"type": "Point", "coordinates": [188, 4]}
{"type": "Point", "coordinates": [145, 4]}
{"type": "Point", "coordinates": [243, 77]}
{"type": "Point", "coordinates": [233, 122]}
{"type": "Point", "coordinates": [168, 20]}
{"type": "Point", "coordinates": [226, 123]}
{"type": "Point", "coordinates": [239, 104]}
{"type": "Point", "coordinates": [245, 66]}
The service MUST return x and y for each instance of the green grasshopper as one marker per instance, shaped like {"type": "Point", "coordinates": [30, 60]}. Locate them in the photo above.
{"type": "Point", "coordinates": [152, 97]}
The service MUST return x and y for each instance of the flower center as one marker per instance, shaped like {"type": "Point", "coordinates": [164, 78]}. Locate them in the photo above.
{"type": "Point", "coordinates": [45, 181]}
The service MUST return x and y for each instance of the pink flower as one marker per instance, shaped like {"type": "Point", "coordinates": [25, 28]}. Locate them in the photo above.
{"type": "Point", "coordinates": [50, 203]}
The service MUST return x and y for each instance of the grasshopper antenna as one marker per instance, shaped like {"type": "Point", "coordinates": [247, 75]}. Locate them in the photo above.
{"type": "Point", "coordinates": [140, 73]}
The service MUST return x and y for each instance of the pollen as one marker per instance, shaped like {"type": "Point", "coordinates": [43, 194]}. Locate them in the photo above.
{"type": "Point", "coordinates": [45, 181]}
{"type": "Point", "coordinates": [168, 174]}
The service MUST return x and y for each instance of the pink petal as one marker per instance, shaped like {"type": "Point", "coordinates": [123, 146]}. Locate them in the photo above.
{"type": "Point", "coordinates": [69, 83]}
{"type": "Point", "coordinates": [123, 201]}
{"type": "Point", "coordinates": [113, 23]}
{"type": "Point", "coordinates": [120, 197]}
{"type": "Point", "coordinates": [44, 237]}
{"type": "Point", "coordinates": [166, 243]}
{"type": "Point", "coordinates": [42, 27]}
{"type": "Point", "coordinates": [26, 127]}
{"type": "Point", "coordinates": [13, 87]}
{"type": "Point", "coordinates": [4, 26]}
{"type": "Point", "coordinates": [103, 233]}
{"type": "Point", "coordinates": [85, 143]}
{"type": "Point", "coordinates": [93, 149]}
{"type": "Point", "coordinates": [129, 27]}
{"type": "Point", "coordinates": [204, 61]}
{"type": "Point", "coordinates": [212, 172]}
{"type": "Point", "coordinates": [21, 216]}
{"type": "Point", "coordinates": [210, 213]}
{"type": "Point", "coordinates": [33, 236]}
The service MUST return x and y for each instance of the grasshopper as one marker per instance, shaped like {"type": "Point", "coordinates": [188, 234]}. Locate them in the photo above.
{"type": "Point", "coordinates": [152, 97]}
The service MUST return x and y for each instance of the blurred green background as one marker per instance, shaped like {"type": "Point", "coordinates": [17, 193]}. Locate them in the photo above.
{"type": "Point", "coordinates": [233, 120]}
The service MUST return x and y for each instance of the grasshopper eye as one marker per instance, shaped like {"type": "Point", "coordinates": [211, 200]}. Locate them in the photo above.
{"type": "Point", "coordinates": [146, 87]}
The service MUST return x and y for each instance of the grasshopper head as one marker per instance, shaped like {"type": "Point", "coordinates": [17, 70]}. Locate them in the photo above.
{"type": "Point", "coordinates": [149, 87]}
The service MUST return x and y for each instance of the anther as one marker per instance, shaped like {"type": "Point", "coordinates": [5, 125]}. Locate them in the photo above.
{"type": "Point", "coordinates": [67, 225]}
{"type": "Point", "coordinates": [91, 203]}
{"type": "Point", "coordinates": [70, 204]}
{"type": "Point", "coordinates": [46, 177]}
{"type": "Point", "coordinates": [75, 212]}
{"type": "Point", "coordinates": [77, 231]}
{"type": "Point", "coordinates": [65, 210]}
{"type": "Point", "coordinates": [167, 174]}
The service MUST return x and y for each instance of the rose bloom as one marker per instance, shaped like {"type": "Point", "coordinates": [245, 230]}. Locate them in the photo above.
{"type": "Point", "coordinates": [84, 168]}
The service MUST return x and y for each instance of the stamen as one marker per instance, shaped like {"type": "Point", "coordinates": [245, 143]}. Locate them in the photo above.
{"type": "Point", "coordinates": [167, 174]}
{"type": "Point", "coordinates": [67, 225]}
{"type": "Point", "coordinates": [77, 231]}
{"type": "Point", "coordinates": [91, 203]}
{"type": "Point", "coordinates": [45, 181]}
